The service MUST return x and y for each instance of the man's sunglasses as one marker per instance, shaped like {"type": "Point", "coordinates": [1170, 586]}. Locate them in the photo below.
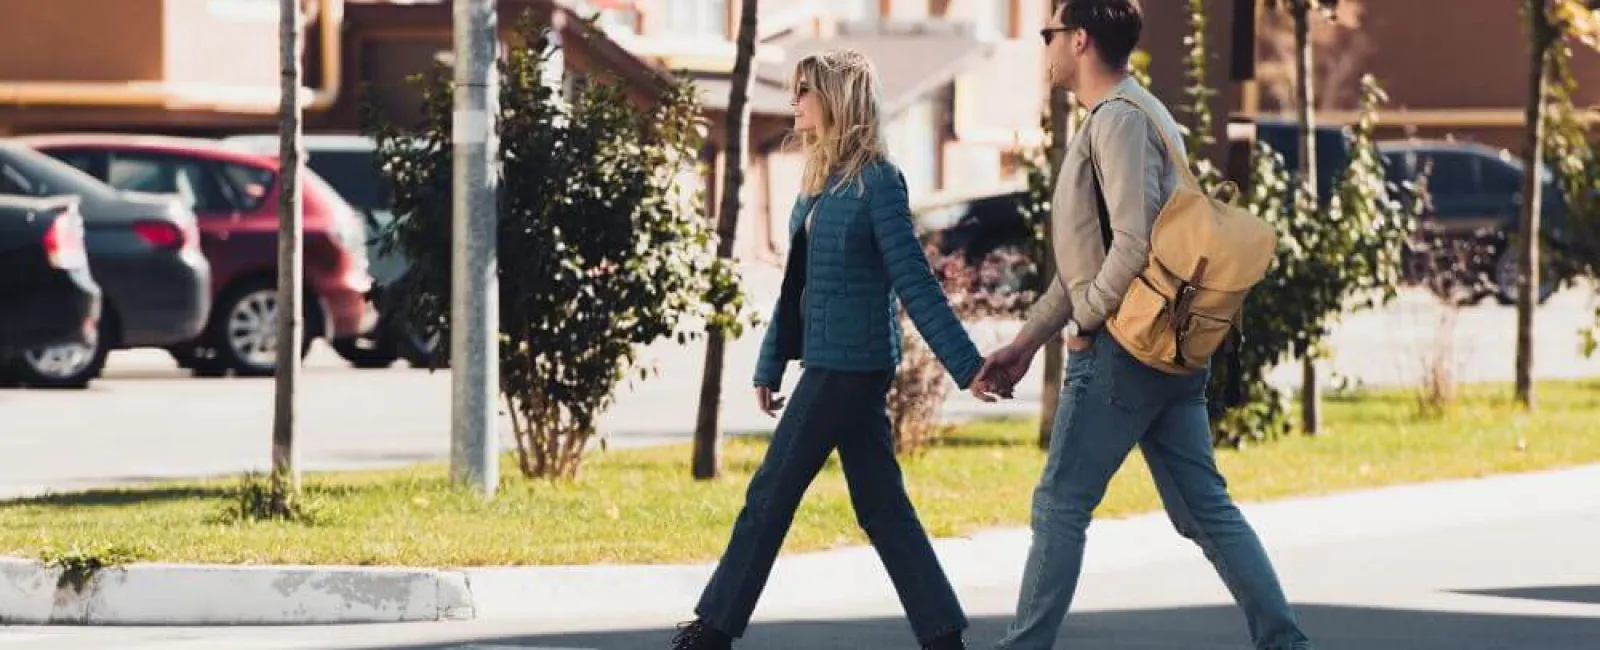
{"type": "Point", "coordinates": [1049, 33]}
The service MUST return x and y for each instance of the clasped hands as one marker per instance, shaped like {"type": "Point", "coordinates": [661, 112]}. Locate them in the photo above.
{"type": "Point", "coordinates": [1006, 366]}
{"type": "Point", "coordinates": [996, 380]}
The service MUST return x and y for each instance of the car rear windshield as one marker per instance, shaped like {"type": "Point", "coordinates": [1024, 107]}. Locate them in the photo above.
{"type": "Point", "coordinates": [27, 172]}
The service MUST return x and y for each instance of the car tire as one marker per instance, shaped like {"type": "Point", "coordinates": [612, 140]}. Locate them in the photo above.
{"type": "Point", "coordinates": [420, 351]}
{"type": "Point", "coordinates": [184, 356]}
{"type": "Point", "coordinates": [243, 333]}
{"type": "Point", "coordinates": [367, 352]}
{"type": "Point", "coordinates": [70, 366]}
{"type": "Point", "coordinates": [1505, 277]}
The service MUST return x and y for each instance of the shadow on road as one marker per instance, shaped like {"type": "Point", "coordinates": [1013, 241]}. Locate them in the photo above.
{"type": "Point", "coordinates": [1332, 627]}
{"type": "Point", "coordinates": [1581, 594]}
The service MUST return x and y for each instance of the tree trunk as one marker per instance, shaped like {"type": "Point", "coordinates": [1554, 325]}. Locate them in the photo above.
{"type": "Point", "coordinates": [706, 433]}
{"type": "Point", "coordinates": [1542, 35]}
{"type": "Point", "coordinates": [1061, 132]}
{"type": "Point", "coordinates": [285, 480]}
{"type": "Point", "coordinates": [1310, 391]}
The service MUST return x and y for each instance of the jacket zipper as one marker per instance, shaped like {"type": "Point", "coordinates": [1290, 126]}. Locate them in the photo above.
{"type": "Point", "coordinates": [805, 307]}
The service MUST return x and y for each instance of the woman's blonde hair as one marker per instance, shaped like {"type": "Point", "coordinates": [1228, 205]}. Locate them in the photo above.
{"type": "Point", "coordinates": [850, 136]}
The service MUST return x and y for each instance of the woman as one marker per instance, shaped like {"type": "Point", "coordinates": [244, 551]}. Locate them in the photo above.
{"type": "Point", "coordinates": [853, 249]}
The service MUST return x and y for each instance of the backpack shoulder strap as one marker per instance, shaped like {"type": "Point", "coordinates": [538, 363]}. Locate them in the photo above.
{"type": "Point", "coordinates": [1101, 210]}
{"type": "Point", "coordinates": [1175, 154]}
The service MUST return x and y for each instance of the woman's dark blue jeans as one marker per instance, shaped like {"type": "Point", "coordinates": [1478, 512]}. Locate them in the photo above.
{"type": "Point", "coordinates": [848, 411]}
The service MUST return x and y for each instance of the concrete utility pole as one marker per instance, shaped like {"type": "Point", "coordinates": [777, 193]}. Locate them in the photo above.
{"type": "Point", "coordinates": [475, 287]}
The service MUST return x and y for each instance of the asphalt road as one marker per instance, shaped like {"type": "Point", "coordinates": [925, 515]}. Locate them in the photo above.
{"type": "Point", "coordinates": [148, 420]}
{"type": "Point", "coordinates": [1531, 582]}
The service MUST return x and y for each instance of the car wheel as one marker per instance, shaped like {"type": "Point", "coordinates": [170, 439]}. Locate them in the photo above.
{"type": "Point", "coordinates": [1505, 277]}
{"type": "Point", "coordinates": [201, 362]}
{"type": "Point", "coordinates": [72, 365]}
{"type": "Point", "coordinates": [243, 330]}
{"type": "Point", "coordinates": [421, 351]}
{"type": "Point", "coordinates": [184, 356]}
{"type": "Point", "coordinates": [367, 352]}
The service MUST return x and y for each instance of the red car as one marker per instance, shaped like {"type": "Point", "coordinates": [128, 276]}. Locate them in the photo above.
{"type": "Point", "coordinates": [235, 196]}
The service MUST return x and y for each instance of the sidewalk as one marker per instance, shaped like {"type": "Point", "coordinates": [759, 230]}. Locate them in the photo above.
{"type": "Point", "coordinates": [155, 594]}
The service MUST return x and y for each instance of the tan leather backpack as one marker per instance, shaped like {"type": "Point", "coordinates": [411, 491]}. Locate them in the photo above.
{"type": "Point", "coordinates": [1206, 253]}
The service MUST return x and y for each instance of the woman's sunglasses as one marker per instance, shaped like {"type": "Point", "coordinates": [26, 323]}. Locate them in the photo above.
{"type": "Point", "coordinates": [801, 90]}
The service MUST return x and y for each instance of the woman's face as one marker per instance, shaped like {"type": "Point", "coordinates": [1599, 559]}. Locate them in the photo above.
{"type": "Point", "coordinates": [807, 108]}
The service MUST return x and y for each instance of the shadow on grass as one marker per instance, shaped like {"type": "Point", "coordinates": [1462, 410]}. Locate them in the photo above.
{"type": "Point", "coordinates": [1331, 627]}
{"type": "Point", "coordinates": [982, 442]}
{"type": "Point", "coordinates": [116, 497]}
{"type": "Point", "coordinates": [135, 495]}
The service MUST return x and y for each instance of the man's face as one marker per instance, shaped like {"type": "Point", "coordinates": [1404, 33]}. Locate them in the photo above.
{"type": "Point", "coordinates": [1063, 46]}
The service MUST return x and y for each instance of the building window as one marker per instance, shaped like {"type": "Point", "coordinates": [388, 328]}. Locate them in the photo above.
{"type": "Point", "coordinates": [693, 17]}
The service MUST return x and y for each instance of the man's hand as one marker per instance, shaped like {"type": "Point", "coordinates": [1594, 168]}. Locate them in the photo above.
{"type": "Point", "coordinates": [1004, 368]}
{"type": "Point", "coordinates": [768, 402]}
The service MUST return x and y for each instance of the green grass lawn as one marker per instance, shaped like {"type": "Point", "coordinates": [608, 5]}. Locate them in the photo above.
{"type": "Point", "coordinates": [641, 507]}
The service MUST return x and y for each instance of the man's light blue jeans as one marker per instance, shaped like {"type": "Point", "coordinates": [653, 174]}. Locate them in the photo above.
{"type": "Point", "coordinates": [1112, 402]}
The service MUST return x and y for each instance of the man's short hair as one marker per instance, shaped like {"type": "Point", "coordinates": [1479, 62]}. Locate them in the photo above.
{"type": "Point", "coordinates": [1113, 26]}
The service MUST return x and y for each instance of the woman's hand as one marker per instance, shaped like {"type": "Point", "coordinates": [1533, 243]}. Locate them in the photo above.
{"type": "Point", "coordinates": [768, 402]}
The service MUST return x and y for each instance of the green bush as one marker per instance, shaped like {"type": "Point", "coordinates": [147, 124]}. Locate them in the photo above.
{"type": "Point", "coordinates": [1345, 256]}
{"type": "Point", "coordinates": [602, 247]}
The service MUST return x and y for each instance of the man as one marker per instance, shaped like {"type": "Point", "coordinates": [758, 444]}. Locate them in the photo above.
{"type": "Point", "coordinates": [1111, 401]}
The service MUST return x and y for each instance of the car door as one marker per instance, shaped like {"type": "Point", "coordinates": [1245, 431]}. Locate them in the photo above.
{"type": "Point", "coordinates": [1461, 206]}
{"type": "Point", "coordinates": [1502, 188]}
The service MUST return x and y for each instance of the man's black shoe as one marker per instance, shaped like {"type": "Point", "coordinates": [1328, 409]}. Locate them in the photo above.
{"type": "Point", "coordinates": [951, 641]}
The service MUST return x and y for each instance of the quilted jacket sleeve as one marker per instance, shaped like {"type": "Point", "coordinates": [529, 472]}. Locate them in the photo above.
{"type": "Point", "coordinates": [913, 278]}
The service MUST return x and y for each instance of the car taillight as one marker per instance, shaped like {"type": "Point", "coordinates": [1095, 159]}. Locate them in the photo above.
{"type": "Point", "coordinates": [160, 234]}
{"type": "Point", "coordinates": [63, 241]}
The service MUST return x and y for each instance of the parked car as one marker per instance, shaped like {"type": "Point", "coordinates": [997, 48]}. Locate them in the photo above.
{"type": "Point", "coordinates": [349, 164]}
{"type": "Point", "coordinates": [235, 195]}
{"type": "Point", "coordinates": [1476, 191]}
{"type": "Point", "coordinates": [1333, 151]}
{"type": "Point", "coordinates": [143, 251]}
{"type": "Point", "coordinates": [975, 224]}
{"type": "Point", "coordinates": [48, 298]}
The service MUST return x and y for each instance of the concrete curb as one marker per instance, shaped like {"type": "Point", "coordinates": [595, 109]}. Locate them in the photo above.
{"type": "Point", "coordinates": [172, 594]}
{"type": "Point", "coordinates": [178, 594]}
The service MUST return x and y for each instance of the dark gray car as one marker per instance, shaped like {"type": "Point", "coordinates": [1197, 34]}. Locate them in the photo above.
{"type": "Point", "coordinates": [144, 251]}
{"type": "Point", "coordinates": [1473, 188]}
{"type": "Point", "coordinates": [47, 295]}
